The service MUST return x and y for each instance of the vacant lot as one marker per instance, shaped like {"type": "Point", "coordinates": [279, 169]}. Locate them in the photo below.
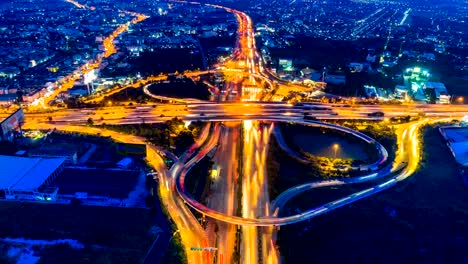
{"type": "Point", "coordinates": [319, 142]}
{"type": "Point", "coordinates": [100, 182]}
{"type": "Point", "coordinates": [181, 88]}
{"type": "Point", "coordinates": [110, 235]}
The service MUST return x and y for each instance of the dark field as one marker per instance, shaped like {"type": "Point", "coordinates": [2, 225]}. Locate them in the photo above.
{"type": "Point", "coordinates": [320, 142]}
{"type": "Point", "coordinates": [422, 220]}
{"type": "Point", "coordinates": [99, 182]}
{"type": "Point", "coordinates": [181, 88]}
{"type": "Point", "coordinates": [109, 234]}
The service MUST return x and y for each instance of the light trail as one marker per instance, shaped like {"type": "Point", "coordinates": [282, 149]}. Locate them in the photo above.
{"type": "Point", "coordinates": [223, 192]}
{"type": "Point", "coordinates": [249, 252]}
{"type": "Point", "coordinates": [255, 155]}
{"type": "Point", "coordinates": [76, 4]}
{"type": "Point", "coordinates": [403, 20]}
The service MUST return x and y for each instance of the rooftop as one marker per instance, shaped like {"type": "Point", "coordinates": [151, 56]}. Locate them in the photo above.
{"type": "Point", "coordinates": [460, 152]}
{"type": "Point", "coordinates": [26, 174]}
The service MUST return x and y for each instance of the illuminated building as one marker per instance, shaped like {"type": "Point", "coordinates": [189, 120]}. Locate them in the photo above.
{"type": "Point", "coordinates": [414, 79]}
{"type": "Point", "coordinates": [285, 65]}
{"type": "Point", "coordinates": [439, 90]}
{"type": "Point", "coordinates": [415, 75]}
{"type": "Point", "coordinates": [29, 178]}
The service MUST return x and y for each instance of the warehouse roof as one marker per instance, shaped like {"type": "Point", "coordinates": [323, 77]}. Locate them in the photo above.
{"type": "Point", "coordinates": [26, 174]}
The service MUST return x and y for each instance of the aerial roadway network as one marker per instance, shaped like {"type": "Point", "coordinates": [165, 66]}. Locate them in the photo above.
{"type": "Point", "coordinates": [240, 145]}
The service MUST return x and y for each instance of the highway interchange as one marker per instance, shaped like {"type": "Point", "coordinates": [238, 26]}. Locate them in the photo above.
{"type": "Point", "coordinates": [252, 123]}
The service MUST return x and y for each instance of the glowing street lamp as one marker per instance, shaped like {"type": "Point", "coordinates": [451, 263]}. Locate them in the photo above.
{"type": "Point", "coordinates": [460, 99]}
{"type": "Point", "coordinates": [335, 149]}
{"type": "Point", "coordinates": [173, 234]}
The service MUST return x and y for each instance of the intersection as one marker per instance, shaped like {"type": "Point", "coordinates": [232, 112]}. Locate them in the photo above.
{"type": "Point", "coordinates": [255, 121]}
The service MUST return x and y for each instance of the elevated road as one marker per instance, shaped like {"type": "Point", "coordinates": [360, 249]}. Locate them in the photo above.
{"type": "Point", "coordinates": [405, 164]}
{"type": "Point", "coordinates": [172, 191]}
{"type": "Point", "coordinates": [264, 221]}
{"type": "Point", "coordinates": [251, 111]}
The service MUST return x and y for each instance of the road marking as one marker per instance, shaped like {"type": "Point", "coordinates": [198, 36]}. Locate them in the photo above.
{"type": "Point", "coordinates": [341, 200]}
{"type": "Point", "coordinates": [387, 183]}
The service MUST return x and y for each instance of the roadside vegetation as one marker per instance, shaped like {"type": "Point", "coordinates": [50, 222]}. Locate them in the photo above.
{"type": "Point", "coordinates": [175, 253]}
{"type": "Point", "coordinates": [382, 131]}
{"type": "Point", "coordinates": [198, 180]}
{"type": "Point", "coordinates": [172, 134]}
{"type": "Point", "coordinates": [289, 131]}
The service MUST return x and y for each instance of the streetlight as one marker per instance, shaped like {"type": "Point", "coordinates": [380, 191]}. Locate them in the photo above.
{"type": "Point", "coordinates": [173, 234]}
{"type": "Point", "coordinates": [460, 99]}
{"type": "Point", "coordinates": [335, 148]}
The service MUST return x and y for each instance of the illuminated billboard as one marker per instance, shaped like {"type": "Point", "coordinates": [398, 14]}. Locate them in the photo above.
{"type": "Point", "coordinates": [90, 76]}
{"type": "Point", "coordinates": [11, 124]}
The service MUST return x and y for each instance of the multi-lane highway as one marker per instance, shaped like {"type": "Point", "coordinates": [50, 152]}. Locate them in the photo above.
{"type": "Point", "coordinates": [408, 155]}
{"type": "Point", "coordinates": [255, 196]}
{"type": "Point", "coordinates": [257, 210]}
{"type": "Point", "coordinates": [263, 218]}
{"type": "Point", "coordinates": [224, 177]}
{"type": "Point", "coordinates": [240, 111]}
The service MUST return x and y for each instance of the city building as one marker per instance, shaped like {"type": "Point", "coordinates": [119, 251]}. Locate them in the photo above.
{"type": "Point", "coordinates": [439, 90]}
{"type": "Point", "coordinates": [29, 178]}
{"type": "Point", "coordinates": [33, 95]}
{"type": "Point", "coordinates": [285, 66]}
{"type": "Point", "coordinates": [456, 139]}
{"type": "Point", "coordinates": [373, 92]}
{"type": "Point", "coordinates": [414, 79]}
{"type": "Point", "coordinates": [415, 75]}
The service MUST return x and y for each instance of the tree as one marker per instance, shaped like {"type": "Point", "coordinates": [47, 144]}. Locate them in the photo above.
{"type": "Point", "coordinates": [184, 140]}
{"type": "Point", "coordinates": [90, 121]}
{"type": "Point", "coordinates": [174, 124]}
